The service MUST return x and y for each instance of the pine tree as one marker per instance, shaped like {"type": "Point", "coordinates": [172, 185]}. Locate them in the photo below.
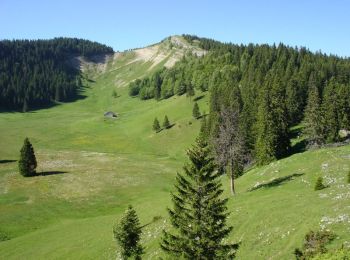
{"type": "Point", "coordinates": [114, 94]}
{"type": "Point", "coordinates": [330, 112]}
{"type": "Point", "coordinates": [127, 233]}
{"type": "Point", "coordinates": [348, 176]}
{"type": "Point", "coordinates": [199, 214]}
{"type": "Point", "coordinates": [156, 126]}
{"type": "Point", "coordinates": [166, 123]}
{"type": "Point", "coordinates": [319, 184]}
{"type": "Point", "coordinates": [27, 162]}
{"type": "Point", "coordinates": [195, 111]}
{"type": "Point", "coordinates": [313, 118]}
{"type": "Point", "coordinates": [272, 126]}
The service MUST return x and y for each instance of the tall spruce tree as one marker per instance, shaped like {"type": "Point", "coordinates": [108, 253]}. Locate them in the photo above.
{"type": "Point", "coordinates": [128, 233]}
{"type": "Point", "coordinates": [313, 117]}
{"type": "Point", "coordinates": [331, 112]}
{"type": "Point", "coordinates": [199, 213]}
{"type": "Point", "coordinates": [272, 124]}
{"type": "Point", "coordinates": [27, 162]}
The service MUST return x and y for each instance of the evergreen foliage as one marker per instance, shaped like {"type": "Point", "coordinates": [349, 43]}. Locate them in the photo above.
{"type": "Point", "coordinates": [199, 214]}
{"type": "Point", "coordinates": [313, 121]}
{"type": "Point", "coordinates": [281, 84]}
{"type": "Point", "coordinates": [27, 162]}
{"type": "Point", "coordinates": [128, 235]}
{"type": "Point", "coordinates": [272, 125]}
{"type": "Point", "coordinates": [204, 131]}
{"type": "Point", "coordinates": [34, 73]}
{"type": "Point", "coordinates": [195, 111]}
{"type": "Point", "coordinates": [319, 184]}
{"type": "Point", "coordinates": [166, 123]}
{"type": "Point", "coordinates": [156, 125]}
{"type": "Point", "coordinates": [348, 180]}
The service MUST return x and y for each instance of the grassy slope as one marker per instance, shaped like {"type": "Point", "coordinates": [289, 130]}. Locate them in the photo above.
{"type": "Point", "coordinates": [111, 163]}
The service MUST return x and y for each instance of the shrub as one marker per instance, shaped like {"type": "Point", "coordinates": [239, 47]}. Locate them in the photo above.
{"type": "Point", "coordinates": [314, 244]}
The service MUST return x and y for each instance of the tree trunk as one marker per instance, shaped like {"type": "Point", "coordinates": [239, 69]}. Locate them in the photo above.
{"type": "Point", "coordinates": [232, 177]}
{"type": "Point", "coordinates": [232, 185]}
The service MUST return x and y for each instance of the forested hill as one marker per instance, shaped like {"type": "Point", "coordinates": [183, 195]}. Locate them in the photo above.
{"type": "Point", "coordinates": [271, 88]}
{"type": "Point", "coordinates": [35, 73]}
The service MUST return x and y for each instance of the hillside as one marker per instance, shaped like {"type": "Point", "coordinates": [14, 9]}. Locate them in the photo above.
{"type": "Point", "coordinates": [93, 167]}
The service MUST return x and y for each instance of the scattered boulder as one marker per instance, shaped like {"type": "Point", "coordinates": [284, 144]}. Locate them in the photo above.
{"type": "Point", "coordinates": [110, 114]}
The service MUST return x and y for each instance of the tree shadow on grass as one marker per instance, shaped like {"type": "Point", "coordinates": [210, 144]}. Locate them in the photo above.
{"type": "Point", "coordinates": [198, 98]}
{"type": "Point", "coordinates": [299, 147]}
{"type": "Point", "coordinates": [171, 126]}
{"type": "Point", "coordinates": [47, 173]}
{"type": "Point", "coordinates": [7, 161]}
{"type": "Point", "coordinates": [276, 182]}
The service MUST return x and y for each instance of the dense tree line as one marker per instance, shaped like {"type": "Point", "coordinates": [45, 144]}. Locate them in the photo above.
{"type": "Point", "coordinates": [36, 72]}
{"type": "Point", "coordinates": [268, 86]}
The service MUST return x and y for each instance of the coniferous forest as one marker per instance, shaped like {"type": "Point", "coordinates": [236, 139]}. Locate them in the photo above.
{"type": "Point", "coordinates": [271, 88]}
{"type": "Point", "coordinates": [35, 73]}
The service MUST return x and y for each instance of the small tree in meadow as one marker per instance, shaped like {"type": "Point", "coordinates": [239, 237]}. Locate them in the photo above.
{"type": "Point", "coordinates": [195, 111]}
{"type": "Point", "coordinates": [127, 233]}
{"type": "Point", "coordinates": [319, 184]}
{"type": "Point", "coordinates": [156, 126]}
{"type": "Point", "coordinates": [27, 162]}
{"type": "Point", "coordinates": [348, 176]}
{"type": "Point", "coordinates": [114, 94]}
{"type": "Point", "coordinates": [166, 123]}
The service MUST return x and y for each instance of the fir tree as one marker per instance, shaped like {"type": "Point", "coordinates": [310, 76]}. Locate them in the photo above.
{"type": "Point", "coordinates": [199, 214]}
{"type": "Point", "coordinates": [27, 162]}
{"type": "Point", "coordinates": [166, 123]}
{"type": "Point", "coordinates": [190, 91]}
{"type": "Point", "coordinates": [313, 120]}
{"type": "Point", "coordinates": [114, 94]}
{"type": "Point", "coordinates": [204, 131]}
{"type": "Point", "coordinates": [195, 111]}
{"type": "Point", "coordinates": [319, 184]}
{"type": "Point", "coordinates": [156, 126]}
{"type": "Point", "coordinates": [272, 124]}
{"type": "Point", "coordinates": [127, 233]}
{"type": "Point", "coordinates": [330, 112]}
{"type": "Point", "coordinates": [348, 176]}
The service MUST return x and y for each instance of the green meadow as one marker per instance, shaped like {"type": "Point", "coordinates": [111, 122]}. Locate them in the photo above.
{"type": "Point", "coordinates": [94, 167]}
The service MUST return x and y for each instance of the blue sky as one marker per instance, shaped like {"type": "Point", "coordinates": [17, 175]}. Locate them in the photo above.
{"type": "Point", "coordinates": [318, 25]}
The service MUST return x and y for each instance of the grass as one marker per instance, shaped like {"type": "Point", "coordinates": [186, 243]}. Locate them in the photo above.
{"type": "Point", "coordinates": [106, 164]}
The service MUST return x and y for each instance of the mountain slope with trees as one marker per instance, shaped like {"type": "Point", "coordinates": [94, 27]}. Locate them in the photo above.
{"type": "Point", "coordinates": [267, 85]}
{"type": "Point", "coordinates": [35, 73]}
{"type": "Point", "coordinates": [95, 167]}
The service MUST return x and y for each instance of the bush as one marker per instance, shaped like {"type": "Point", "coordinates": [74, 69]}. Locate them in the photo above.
{"type": "Point", "coordinates": [319, 184]}
{"type": "Point", "coordinates": [314, 244]}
